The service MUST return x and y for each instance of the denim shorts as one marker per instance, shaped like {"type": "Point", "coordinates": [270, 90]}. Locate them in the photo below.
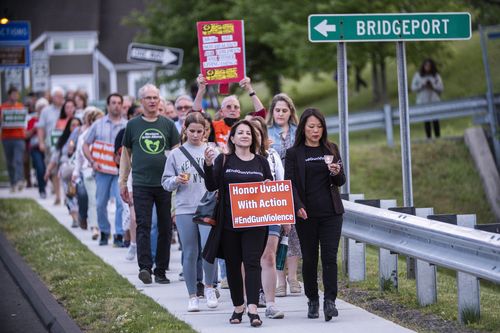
{"type": "Point", "coordinates": [274, 230]}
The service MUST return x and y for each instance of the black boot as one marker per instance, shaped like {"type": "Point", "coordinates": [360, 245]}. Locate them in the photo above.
{"type": "Point", "coordinates": [104, 238]}
{"type": "Point", "coordinates": [313, 309]}
{"type": "Point", "coordinates": [329, 309]}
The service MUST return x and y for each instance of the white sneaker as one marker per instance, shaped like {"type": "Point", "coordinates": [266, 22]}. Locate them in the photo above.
{"type": "Point", "coordinates": [132, 249]}
{"type": "Point", "coordinates": [211, 297]}
{"type": "Point", "coordinates": [193, 305]}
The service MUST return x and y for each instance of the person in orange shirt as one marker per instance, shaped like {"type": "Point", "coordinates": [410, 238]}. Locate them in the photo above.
{"type": "Point", "coordinates": [230, 108]}
{"type": "Point", "coordinates": [13, 122]}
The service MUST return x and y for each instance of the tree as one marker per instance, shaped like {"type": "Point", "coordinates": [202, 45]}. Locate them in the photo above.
{"type": "Point", "coordinates": [276, 35]}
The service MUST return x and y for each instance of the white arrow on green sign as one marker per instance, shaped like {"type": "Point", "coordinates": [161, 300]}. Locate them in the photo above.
{"type": "Point", "coordinates": [388, 27]}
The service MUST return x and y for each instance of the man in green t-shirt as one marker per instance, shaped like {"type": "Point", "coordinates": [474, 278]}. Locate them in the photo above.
{"type": "Point", "coordinates": [147, 139]}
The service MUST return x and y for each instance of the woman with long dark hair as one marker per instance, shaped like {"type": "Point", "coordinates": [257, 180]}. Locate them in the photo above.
{"type": "Point", "coordinates": [428, 85]}
{"type": "Point", "coordinates": [242, 164]}
{"type": "Point", "coordinates": [314, 167]}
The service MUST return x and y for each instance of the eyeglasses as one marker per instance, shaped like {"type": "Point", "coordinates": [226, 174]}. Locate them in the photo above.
{"type": "Point", "coordinates": [186, 107]}
{"type": "Point", "coordinates": [151, 98]}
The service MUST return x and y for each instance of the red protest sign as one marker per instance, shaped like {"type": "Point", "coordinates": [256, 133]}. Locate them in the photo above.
{"type": "Point", "coordinates": [221, 46]}
{"type": "Point", "coordinates": [262, 203]}
{"type": "Point", "coordinates": [103, 153]}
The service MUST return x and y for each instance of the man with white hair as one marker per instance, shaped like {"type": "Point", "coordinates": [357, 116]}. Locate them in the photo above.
{"type": "Point", "coordinates": [46, 128]}
{"type": "Point", "coordinates": [147, 140]}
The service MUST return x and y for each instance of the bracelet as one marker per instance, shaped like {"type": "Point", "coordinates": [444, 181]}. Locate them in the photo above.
{"type": "Point", "coordinates": [251, 94]}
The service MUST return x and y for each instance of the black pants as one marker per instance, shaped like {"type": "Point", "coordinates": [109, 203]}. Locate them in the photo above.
{"type": "Point", "coordinates": [324, 232]}
{"type": "Point", "coordinates": [247, 247]}
{"type": "Point", "coordinates": [428, 129]}
{"type": "Point", "coordinates": [144, 198]}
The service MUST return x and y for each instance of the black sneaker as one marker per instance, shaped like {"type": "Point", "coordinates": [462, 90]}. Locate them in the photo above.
{"type": "Point", "coordinates": [118, 241]}
{"type": "Point", "coordinates": [104, 239]}
{"type": "Point", "coordinates": [200, 290]}
{"type": "Point", "coordinates": [161, 278]}
{"type": "Point", "coordinates": [145, 276]}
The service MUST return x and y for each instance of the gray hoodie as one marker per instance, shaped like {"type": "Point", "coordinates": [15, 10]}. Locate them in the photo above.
{"type": "Point", "coordinates": [188, 196]}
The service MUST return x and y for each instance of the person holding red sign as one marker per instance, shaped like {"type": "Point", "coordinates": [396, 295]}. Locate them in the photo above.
{"type": "Point", "coordinates": [101, 137]}
{"type": "Point", "coordinates": [313, 165]}
{"type": "Point", "coordinates": [241, 164]}
{"type": "Point", "coordinates": [13, 121]}
{"type": "Point", "coordinates": [230, 108]}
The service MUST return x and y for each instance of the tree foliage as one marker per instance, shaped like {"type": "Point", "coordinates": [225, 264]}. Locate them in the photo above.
{"type": "Point", "coordinates": [276, 36]}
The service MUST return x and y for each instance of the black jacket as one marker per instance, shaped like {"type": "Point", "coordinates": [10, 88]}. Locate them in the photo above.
{"type": "Point", "coordinates": [295, 170]}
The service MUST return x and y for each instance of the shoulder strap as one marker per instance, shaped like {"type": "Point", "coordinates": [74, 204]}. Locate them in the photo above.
{"type": "Point", "coordinates": [193, 162]}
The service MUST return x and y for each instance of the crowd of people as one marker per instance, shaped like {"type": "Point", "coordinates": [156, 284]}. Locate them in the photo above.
{"type": "Point", "coordinates": [154, 159]}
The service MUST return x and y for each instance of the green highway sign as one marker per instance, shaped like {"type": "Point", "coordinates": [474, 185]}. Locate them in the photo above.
{"type": "Point", "coordinates": [325, 28]}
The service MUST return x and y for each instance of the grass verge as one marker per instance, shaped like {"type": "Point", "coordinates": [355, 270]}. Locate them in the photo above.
{"type": "Point", "coordinates": [93, 294]}
{"type": "Point", "coordinates": [446, 307]}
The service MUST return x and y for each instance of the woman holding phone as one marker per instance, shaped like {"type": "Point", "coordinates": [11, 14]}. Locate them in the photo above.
{"type": "Point", "coordinates": [314, 167]}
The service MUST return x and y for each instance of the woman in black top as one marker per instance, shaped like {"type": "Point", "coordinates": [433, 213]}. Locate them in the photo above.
{"type": "Point", "coordinates": [242, 245]}
{"type": "Point", "coordinates": [319, 207]}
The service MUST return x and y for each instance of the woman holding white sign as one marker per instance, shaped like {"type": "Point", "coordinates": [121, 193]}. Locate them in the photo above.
{"type": "Point", "coordinates": [244, 245]}
{"type": "Point", "coordinates": [183, 174]}
{"type": "Point", "coordinates": [314, 166]}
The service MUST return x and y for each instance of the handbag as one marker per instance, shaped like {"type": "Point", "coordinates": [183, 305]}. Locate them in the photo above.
{"type": "Point", "coordinates": [206, 211]}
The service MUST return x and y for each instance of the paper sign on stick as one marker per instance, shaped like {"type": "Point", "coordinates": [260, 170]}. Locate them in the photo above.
{"type": "Point", "coordinates": [221, 47]}
{"type": "Point", "coordinates": [262, 203]}
{"type": "Point", "coordinates": [14, 117]}
{"type": "Point", "coordinates": [103, 153]}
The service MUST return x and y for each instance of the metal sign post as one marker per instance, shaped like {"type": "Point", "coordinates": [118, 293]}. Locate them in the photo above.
{"type": "Point", "coordinates": [343, 112]}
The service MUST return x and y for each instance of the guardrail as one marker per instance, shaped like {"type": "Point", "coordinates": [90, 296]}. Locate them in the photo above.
{"type": "Point", "coordinates": [472, 253]}
{"type": "Point", "coordinates": [386, 117]}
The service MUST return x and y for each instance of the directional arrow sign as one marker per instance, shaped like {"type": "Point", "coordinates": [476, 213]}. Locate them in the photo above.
{"type": "Point", "coordinates": [168, 57]}
{"type": "Point", "coordinates": [388, 27]}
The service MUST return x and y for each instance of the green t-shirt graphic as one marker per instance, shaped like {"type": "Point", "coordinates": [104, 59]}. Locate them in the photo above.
{"type": "Point", "coordinates": [148, 142]}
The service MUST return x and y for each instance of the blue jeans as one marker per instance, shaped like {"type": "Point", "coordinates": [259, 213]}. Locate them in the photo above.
{"type": "Point", "coordinates": [14, 156]}
{"type": "Point", "coordinates": [154, 232]}
{"type": "Point", "coordinates": [37, 158]}
{"type": "Point", "coordinates": [192, 236]}
{"type": "Point", "coordinates": [108, 185]}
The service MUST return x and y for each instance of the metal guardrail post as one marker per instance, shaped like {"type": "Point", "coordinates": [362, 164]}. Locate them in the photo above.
{"type": "Point", "coordinates": [469, 305]}
{"type": "Point", "coordinates": [425, 273]}
{"type": "Point", "coordinates": [345, 240]}
{"type": "Point", "coordinates": [387, 260]}
{"type": "Point", "coordinates": [389, 133]}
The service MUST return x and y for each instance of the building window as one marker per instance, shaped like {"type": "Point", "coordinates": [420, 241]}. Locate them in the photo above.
{"type": "Point", "coordinates": [72, 45]}
{"type": "Point", "coordinates": [61, 44]}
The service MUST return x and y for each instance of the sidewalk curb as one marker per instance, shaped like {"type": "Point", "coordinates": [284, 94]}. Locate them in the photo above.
{"type": "Point", "coordinates": [51, 314]}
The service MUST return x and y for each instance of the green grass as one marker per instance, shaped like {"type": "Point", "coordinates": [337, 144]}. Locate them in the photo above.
{"type": "Point", "coordinates": [444, 177]}
{"type": "Point", "coordinates": [446, 306]}
{"type": "Point", "coordinates": [91, 291]}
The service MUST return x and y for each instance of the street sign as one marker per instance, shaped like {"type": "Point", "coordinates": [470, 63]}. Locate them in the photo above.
{"type": "Point", "coordinates": [39, 71]}
{"type": "Point", "coordinates": [15, 44]}
{"type": "Point", "coordinates": [388, 27]}
{"type": "Point", "coordinates": [168, 57]}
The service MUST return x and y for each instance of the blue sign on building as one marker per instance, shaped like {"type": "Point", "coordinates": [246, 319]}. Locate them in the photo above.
{"type": "Point", "coordinates": [15, 44]}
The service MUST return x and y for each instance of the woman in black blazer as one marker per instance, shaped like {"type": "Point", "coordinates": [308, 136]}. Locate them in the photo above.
{"type": "Point", "coordinates": [319, 207]}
